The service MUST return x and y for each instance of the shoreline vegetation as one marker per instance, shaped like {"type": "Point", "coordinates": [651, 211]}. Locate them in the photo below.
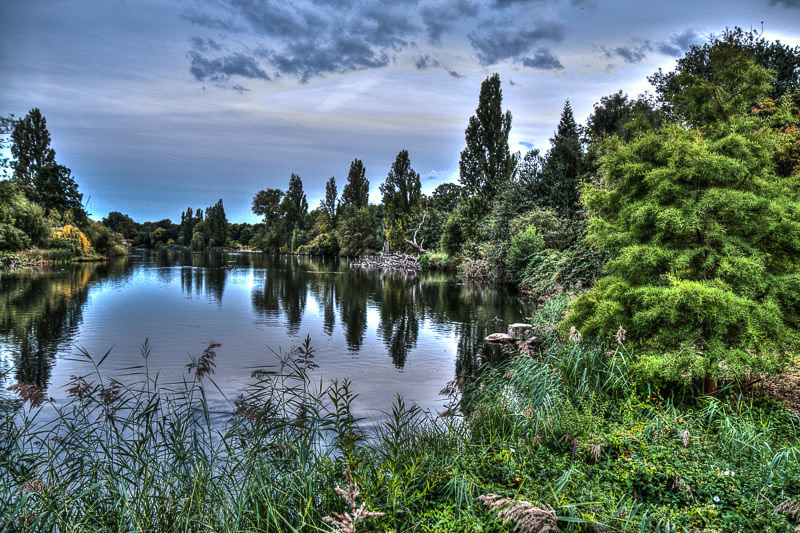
{"type": "Point", "coordinates": [662, 242]}
{"type": "Point", "coordinates": [558, 439]}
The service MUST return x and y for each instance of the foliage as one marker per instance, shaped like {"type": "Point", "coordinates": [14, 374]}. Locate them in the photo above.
{"type": "Point", "coordinates": [557, 232]}
{"type": "Point", "coordinates": [356, 190]}
{"type": "Point", "coordinates": [486, 164]}
{"type": "Point", "coordinates": [401, 200]}
{"type": "Point", "coordinates": [104, 241]}
{"type": "Point", "coordinates": [558, 186]}
{"type": "Point", "coordinates": [124, 224]}
{"type": "Point", "coordinates": [71, 236]}
{"type": "Point", "coordinates": [726, 76]}
{"type": "Point", "coordinates": [22, 223]}
{"type": "Point", "coordinates": [36, 171]}
{"type": "Point", "coordinates": [359, 231]}
{"type": "Point", "coordinates": [322, 244]}
{"type": "Point", "coordinates": [329, 203]}
{"type": "Point", "coordinates": [555, 440]}
{"type": "Point", "coordinates": [524, 245]}
{"type": "Point", "coordinates": [704, 237]}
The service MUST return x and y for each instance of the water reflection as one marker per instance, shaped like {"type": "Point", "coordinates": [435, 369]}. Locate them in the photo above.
{"type": "Point", "coordinates": [40, 311]}
{"type": "Point", "coordinates": [384, 330]}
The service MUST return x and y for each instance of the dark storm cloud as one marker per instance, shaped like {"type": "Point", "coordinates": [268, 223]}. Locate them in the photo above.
{"type": "Point", "coordinates": [503, 41]}
{"type": "Point", "coordinates": [307, 40]}
{"type": "Point", "coordinates": [221, 69]}
{"type": "Point", "coordinates": [632, 53]}
{"type": "Point", "coordinates": [676, 45]}
{"type": "Point", "coordinates": [441, 16]}
{"type": "Point", "coordinates": [543, 59]}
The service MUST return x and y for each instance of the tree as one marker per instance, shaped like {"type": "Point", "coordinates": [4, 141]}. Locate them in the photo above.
{"type": "Point", "coordinates": [123, 224]}
{"type": "Point", "coordinates": [558, 187]}
{"type": "Point", "coordinates": [486, 163]}
{"type": "Point", "coordinates": [216, 225]}
{"type": "Point", "coordinates": [401, 198]}
{"type": "Point", "coordinates": [329, 204]}
{"type": "Point", "coordinates": [294, 208]}
{"type": "Point", "coordinates": [356, 190]}
{"type": "Point", "coordinates": [707, 84]}
{"type": "Point", "coordinates": [706, 236]}
{"type": "Point", "coordinates": [268, 204]}
{"type": "Point", "coordinates": [359, 230]}
{"type": "Point", "coordinates": [36, 171]}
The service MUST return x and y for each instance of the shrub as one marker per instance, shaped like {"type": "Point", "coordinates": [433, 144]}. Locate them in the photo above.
{"type": "Point", "coordinates": [706, 238]}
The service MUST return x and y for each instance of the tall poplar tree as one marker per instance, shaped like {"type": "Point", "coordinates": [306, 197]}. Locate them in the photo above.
{"type": "Point", "coordinates": [330, 201]}
{"type": "Point", "coordinates": [401, 198]}
{"type": "Point", "coordinates": [356, 190]}
{"type": "Point", "coordinates": [486, 163]}
{"type": "Point", "coordinates": [295, 210]}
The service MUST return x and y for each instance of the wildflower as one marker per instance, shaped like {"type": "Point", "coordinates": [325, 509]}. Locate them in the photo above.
{"type": "Point", "coordinates": [574, 446]}
{"type": "Point", "coordinates": [716, 499]}
{"type": "Point", "coordinates": [574, 334]}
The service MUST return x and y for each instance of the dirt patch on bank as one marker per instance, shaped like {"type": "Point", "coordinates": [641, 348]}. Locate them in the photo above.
{"type": "Point", "coordinates": [786, 389]}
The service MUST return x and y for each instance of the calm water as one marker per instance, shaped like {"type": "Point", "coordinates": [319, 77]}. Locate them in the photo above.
{"type": "Point", "coordinates": [388, 334]}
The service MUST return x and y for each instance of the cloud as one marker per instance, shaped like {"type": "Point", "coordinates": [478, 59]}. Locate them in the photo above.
{"type": "Point", "coordinates": [543, 59]}
{"type": "Point", "coordinates": [632, 53]}
{"type": "Point", "coordinates": [239, 88]}
{"type": "Point", "coordinates": [205, 45]}
{"type": "Point", "coordinates": [502, 41]}
{"type": "Point", "coordinates": [457, 75]}
{"type": "Point", "coordinates": [221, 69]}
{"type": "Point", "coordinates": [211, 22]}
{"type": "Point", "coordinates": [441, 16]}
{"type": "Point", "coordinates": [427, 62]}
{"type": "Point", "coordinates": [785, 3]}
{"type": "Point", "coordinates": [305, 40]}
{"type": "Point", "coordinates": [676, 45]}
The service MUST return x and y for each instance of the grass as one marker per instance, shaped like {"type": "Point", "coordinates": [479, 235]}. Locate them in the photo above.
{"type": "Point", "coordinates": [561, 440]}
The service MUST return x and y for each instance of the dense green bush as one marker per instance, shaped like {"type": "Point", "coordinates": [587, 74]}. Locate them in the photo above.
{"type": "Point", "coordinates": [705, 238]}
{"type": "Point", "coordinates": [322, 244]}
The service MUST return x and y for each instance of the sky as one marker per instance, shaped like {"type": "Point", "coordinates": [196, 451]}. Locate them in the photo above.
{"type": "Point", "coordinates": [161, 105]}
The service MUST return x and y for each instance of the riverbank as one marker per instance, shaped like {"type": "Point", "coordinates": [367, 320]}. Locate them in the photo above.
{"type": "Point", "coordinates": [562, 438]}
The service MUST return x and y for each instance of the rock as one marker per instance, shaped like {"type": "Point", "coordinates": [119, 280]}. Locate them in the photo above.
{"type": "Point", "coordinates": [520, 331]}
{"type": "Point", "coordinates": [498, 338]}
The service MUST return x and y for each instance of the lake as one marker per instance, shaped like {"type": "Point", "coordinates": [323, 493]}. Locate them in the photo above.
{"type": "Point", "coordinates": [388, 333]}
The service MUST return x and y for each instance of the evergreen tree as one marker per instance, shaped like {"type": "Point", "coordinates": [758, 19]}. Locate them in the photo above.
{"type": "Point", "coordinates": [486, 163]}
{"type": "Point", "coordinates": [559, 184]}
{"type": "Point", "coordinates": [401, 199]}
{"type": "Point", "coordinates": [705, 232]}
{"type": "Point", "coordinates": [356, 190]}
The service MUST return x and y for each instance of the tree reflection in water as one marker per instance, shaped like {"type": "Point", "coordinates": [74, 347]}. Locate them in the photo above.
{"type": "Point", "coordinates": [40, 311]}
